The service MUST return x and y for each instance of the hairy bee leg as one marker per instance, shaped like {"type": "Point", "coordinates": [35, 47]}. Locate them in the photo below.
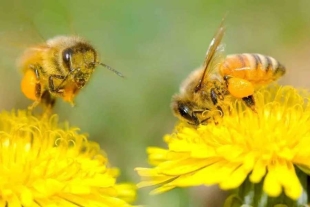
{"type": "Point", "coordinates": [205, 121]}
{"type": "Point", "coordinates": [48, 101]}
{"type": "Point", "coordinates": [226, 78]}
{"type": "Point", "coordinates": [221, 114]}
{"type": "Point", "coordinates": [250, 102]}
{"type": "Point", "coordinates": [33, 105]}
{"type": "Point", "coordinates": [194, 115]}
{"type": "Point", "coordinates": [215, 95]}
{"type": "Point", "coordinates": [220, 110]}
{"type": "Point", "coordinates": [51, 82]}
{"type": "Point", "coordinates": [38, 84]}
{"type": "Point", "coordinates": [37, 88]}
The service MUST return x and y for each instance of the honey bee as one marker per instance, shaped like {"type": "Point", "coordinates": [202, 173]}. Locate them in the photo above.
{"type": "Point", "coordinates": [60, 67]}
{"type": "Point", "coordinates": [207, 90]}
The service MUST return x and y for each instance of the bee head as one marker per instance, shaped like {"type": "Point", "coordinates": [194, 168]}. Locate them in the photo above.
{"type": "Point", "coordinates": [184, 110]}
{"type": "Point", "coordinates": [80, 60]}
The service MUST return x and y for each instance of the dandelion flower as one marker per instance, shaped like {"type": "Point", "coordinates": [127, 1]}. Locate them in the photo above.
{"type": "Point", "coordinates": [269, 148]}
{"type": "Point", "coordinates": [46, 164]}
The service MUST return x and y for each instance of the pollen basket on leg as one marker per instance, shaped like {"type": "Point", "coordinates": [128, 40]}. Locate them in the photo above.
{"type": "Point", "coordinates": [239, 87]}
{"type": "Point", "coordinates": [28, 85]}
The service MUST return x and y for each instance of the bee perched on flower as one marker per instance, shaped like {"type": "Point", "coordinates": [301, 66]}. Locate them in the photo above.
{"type": "Point", "coordinates": [207, 92]}
{"type": "Point", "coordinates": [258, 150]}
{"type": "Point", "coordinates": [263, 156]}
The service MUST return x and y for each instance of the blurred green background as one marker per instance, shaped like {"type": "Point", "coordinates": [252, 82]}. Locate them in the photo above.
{"type": "Point", "coordinates": [156, 44]}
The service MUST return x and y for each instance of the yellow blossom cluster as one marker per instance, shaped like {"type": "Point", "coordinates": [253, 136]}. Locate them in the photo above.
{"type": "Point", "coordinates": [44, 163]}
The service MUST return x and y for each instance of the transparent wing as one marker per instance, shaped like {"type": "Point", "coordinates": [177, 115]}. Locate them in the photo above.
{"type": "Point", "coordinates": [17, 32]}
{"type": "Point", "coordinates": [17, 24]}
{"type": "Point", "coordinates": [214, 55]}
{"type": "Point", "coordinates": [19, 38]}
{"type": "Point", "coordinates": [218, 57]}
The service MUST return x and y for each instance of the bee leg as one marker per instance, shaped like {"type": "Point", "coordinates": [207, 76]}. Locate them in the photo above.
{"type": "Point", "coordinates": [220, 110]}
{"type": "Point", "coordinates": [196, 120]}
{"type": "Point", "coordinates": [203, 113]}
{"type": "Point", "coordinates": [250, 102]}
{"type": "Point", "coordinates": [33, 105]}
{"type": "Point", "coordinates": [214, 98]}
{"type": "Point", "coordinates": [48, 99]}
{"type": "Point", "coordinates": [51, 83]}
{"type": "Point", "coordinates": [205, 121]}
{"type": "Point", "coordinates": [37, 87]}
{"type": "Point", "coordinates": [226, 78]}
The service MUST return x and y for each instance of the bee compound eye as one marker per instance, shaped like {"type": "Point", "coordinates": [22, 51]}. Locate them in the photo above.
{"type": "Point", "coordinates": [66, 56]}
{"type": "Point", "coordinates": [185, 112]}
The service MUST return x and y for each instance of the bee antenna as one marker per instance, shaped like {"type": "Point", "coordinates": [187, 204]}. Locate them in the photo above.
{"type": "Point", "coordinates": [111, 69]}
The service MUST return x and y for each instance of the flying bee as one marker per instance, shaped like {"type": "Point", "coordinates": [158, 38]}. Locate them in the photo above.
{"type": "Point", "coordinates": [208, 90]}
{"type": "Point", "coordinates": [61, 67]}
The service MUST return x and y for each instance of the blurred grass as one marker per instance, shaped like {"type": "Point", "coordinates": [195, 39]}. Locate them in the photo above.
{"type": "Point", "coordinates": [155, 44]}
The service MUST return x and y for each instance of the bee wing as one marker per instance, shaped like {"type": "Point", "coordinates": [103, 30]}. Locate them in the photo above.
{"type": "Point", "coordinates": [214, 55]}
{"type": "Point", "coordinates": [20, 31]}
{"type": "Point", "coordinates": [217, 58]}
{"type": "Point", "coordinates": [16, 35]}
{"type": "Point", "coordinates": [19, 38]}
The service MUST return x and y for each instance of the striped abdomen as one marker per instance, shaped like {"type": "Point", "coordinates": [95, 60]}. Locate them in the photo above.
{"type": "Point", "coordinates": [256, 68]}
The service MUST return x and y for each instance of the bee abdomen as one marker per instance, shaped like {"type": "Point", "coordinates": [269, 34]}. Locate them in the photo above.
{"type": "Point", "coordinates": [257, 68]}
